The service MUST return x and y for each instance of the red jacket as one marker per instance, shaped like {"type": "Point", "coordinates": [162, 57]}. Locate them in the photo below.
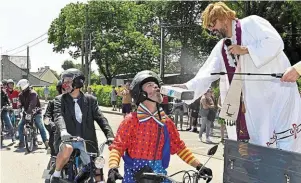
{"type": "Point", "coordinates": [13, 97]}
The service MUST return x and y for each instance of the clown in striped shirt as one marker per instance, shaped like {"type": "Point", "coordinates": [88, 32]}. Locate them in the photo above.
{"type": "Point", "coordinates": [147, 137]}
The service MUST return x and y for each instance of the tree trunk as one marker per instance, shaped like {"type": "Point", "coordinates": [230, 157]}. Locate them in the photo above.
{"type": "Point", "coordinates": [109, 79]}
{"type": "Point", "coordinates": [183, 59]}
{"type": "Point", "coordinates": [247, 8]}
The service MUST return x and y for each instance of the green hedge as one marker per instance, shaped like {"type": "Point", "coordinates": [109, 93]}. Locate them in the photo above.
{"type": "Point", "coordinates": [102, 92]}
{"type": "Point", "coordinates": [52, 92]}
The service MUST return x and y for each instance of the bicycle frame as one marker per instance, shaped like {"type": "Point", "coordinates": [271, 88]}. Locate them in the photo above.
{"type": "Point", "coordinates": [30, 124]}
{"type": "Point", "coordinates": [76, 176]}
{"type": "Point", "coordinates": [91, 167]}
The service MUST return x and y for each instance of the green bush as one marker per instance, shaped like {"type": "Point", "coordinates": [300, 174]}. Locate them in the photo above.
{"type": "Point", "coordinates": [52, 92]}
{"type": "Point", "coordinates": [102, 92]}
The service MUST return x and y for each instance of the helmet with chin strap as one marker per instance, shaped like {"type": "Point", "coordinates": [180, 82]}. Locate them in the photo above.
{"type": "Point", "coordinates": [10, 81]}
{"type": "Point", "coordinates": [77, 76]}
{"type": "Point", "coordinates": [141, 78]}
{"type": "Point", "coordinates": [23, 84]}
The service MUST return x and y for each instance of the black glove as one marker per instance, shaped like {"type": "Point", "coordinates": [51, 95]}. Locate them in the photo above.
{"type": "Point", "coordinates": [113, 175]}
{"type": "Point", "coordinates": [205, 172]}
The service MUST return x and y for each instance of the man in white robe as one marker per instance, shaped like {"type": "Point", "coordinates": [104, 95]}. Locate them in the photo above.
{"type": "Point", "coordinates": [272, 108]}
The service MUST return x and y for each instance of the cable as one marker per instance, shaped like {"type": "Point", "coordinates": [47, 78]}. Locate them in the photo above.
{"type": "Point", "coordinates": [27, 43]}
{"type": "Point", "coordinates": [30, 46]}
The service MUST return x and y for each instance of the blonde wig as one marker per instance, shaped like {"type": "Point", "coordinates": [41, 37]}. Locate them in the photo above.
{"type": "Point", "coordinates": [214, 11]}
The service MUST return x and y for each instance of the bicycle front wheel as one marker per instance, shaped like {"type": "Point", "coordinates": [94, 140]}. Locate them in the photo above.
{"type": "Point", "coordinates": [29, 138]}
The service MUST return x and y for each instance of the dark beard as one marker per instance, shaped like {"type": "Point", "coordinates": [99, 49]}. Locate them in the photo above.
{"type": "Point", "coordinates": [216, 33]}
{"type": "Point", "coordinates": [220, 33]}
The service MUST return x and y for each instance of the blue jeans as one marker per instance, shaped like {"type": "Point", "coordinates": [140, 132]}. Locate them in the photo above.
{"type": "Point", "coordinates": [85, 158]}
{"type": "Point", "coordinates": [6, 118]}
{"type": "Point", "coordinates": [39, 124]}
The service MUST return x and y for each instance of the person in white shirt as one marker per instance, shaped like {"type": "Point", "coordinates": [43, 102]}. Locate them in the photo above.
{"type": "Point", "coordinates": [267, 111]}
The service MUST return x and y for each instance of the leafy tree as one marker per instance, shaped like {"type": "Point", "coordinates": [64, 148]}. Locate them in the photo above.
{"type": "Point", "coordinates": [95, 79]}
{"type": "Point", "coordinates": [66, 30]}
{"type": "Point", "coordinates": [186, 43]}
{"type": "Point", "coordinates": [68, 64]}
{"type": "Point", "coordinates": [119, 47]}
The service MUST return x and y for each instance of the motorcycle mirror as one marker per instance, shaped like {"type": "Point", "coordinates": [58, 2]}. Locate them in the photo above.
{"type": "Point", "coordinates": [212, 150]}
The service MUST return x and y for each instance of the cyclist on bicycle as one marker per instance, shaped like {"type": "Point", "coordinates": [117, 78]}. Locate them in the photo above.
{"type": "Point", "coordinates": [49, 120]}
{"type": "Point", "coordinates": [12, 93]}
{"type": "Point", "coordinates": [147, 138]}
{"type": "Point", "coordinates": [29, 100]}
{"type": "Point", "coordinates": [74, 115]}
{"type": "Point", "coordinates": [5, 105]}
{"type": "Point", "coordinates": [14, 97]}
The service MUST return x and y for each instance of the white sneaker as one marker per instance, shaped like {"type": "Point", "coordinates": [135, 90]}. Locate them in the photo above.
{"type": "Point", "coordinates": [208, 141]}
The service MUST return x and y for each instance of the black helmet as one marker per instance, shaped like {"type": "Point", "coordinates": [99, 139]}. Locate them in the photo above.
{"type": "Point", "coordinates": [136, 86]}
{"type": "Point", "coordinates": [77, 76]}
{"type": "Point", "coordinates": [59, 86]}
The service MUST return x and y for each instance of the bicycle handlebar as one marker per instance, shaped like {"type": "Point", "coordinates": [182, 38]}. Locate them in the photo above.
{"type": "Point", "coordinates": [160, 175]}
{"type": "Point", "coordinates": [74, 139]}
{"type": "Point", "coordinates": [79, 139]}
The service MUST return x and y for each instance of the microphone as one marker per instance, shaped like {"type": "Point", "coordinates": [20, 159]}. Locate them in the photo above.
{"type": "Point", "coordinates": [229, 43]}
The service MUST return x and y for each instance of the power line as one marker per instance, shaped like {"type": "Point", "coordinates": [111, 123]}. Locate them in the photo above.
{"type": "Point", "coordinates": [27, 43]}
{"type": "Point", "coordinates": [30, 46]}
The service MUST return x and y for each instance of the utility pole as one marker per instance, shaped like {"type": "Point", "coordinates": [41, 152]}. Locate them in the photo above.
{"type": "Point", "coordinates": [90, 59]}
{"type": "Point", "coordinates": [27, 62]}
{"type": "Point", "coordinates": [162, 52]}
{"type": "Point", "coordinates": [86, 49]}
{"type": "Point", "coordinates": [82, 50]}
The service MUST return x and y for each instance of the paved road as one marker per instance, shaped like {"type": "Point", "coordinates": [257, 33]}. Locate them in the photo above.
{"type": "Point", "coordinates": [19, 167]}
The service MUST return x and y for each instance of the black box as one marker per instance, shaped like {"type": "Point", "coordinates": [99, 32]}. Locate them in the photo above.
{"type": "Point", "coordinates": [249, 163]}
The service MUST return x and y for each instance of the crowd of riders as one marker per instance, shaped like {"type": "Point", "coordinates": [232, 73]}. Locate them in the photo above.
{"type": "Point", "coordinates": [23, 101]}
{"type": "Point", "coordinates": [72, 114]}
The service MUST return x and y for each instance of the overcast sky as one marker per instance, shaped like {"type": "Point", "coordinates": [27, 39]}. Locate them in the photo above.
{"type": "Point", "coordinates": [25, 20]}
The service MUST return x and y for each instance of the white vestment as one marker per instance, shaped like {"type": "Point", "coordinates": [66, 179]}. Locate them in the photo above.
{"type": "Point", "coordinates": [273, 108]}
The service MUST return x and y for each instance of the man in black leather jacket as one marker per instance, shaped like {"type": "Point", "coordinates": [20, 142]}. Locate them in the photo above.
{"type": "Point", "coordinates": [30, 102]}
{"type": "Point", "coordinates": [49, 121]}
{"type": "Point", "coordinates": [74, 115]}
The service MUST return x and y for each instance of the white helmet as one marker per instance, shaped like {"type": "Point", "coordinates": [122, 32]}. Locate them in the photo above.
{"type": "Point", "coordinates": [23, 83]}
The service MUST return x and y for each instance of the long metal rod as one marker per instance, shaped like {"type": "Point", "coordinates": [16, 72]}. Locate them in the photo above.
{"type": "Point", "coordinates": [277, 75]}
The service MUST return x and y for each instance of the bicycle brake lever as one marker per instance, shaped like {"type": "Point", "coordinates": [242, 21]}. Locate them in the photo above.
{"type": "Point", "coordinates": [204, 176]}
